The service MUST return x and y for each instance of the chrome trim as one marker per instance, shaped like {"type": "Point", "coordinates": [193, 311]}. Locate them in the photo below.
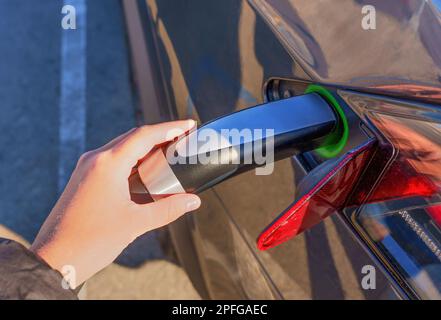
{"type": "Point", "coordinates": [158, 177]}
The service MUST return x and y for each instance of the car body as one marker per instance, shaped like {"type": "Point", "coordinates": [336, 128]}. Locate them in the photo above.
{"type": "Point", "coordinates": [205, 59]}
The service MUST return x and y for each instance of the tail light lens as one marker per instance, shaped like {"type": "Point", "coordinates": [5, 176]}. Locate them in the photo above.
{"type": "Point", "coordinates": [397, 203]}
{"type": "Point", "coordinates": [324, 198]}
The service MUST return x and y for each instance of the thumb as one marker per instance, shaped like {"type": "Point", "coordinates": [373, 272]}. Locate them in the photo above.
{"type": "Point", "coordinates": [160, 213]}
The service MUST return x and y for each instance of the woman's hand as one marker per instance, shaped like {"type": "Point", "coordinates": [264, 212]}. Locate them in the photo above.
{"type": "Point", "coordinates": [95, 219]}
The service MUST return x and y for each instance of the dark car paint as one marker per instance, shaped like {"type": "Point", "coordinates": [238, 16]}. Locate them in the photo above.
{"type": "Point", "coordinates": [216, 57]}
{"type": "Point", "coordinates": [402, 55]}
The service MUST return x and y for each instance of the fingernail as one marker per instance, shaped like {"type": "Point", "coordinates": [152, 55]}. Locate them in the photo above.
{"type": "Point", "coordinates": [193, 204]}
{"type": "Point", "coordinates": [191, 123]}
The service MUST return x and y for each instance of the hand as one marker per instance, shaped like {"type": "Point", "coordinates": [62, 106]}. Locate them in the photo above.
{"type": "Point", "coordinates": [94, 220]}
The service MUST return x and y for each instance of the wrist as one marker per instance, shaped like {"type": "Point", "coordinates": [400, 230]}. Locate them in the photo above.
{"type": "Point", "coordinates": [45, 254]}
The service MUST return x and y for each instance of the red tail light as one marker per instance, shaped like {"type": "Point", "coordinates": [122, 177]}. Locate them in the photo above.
{"type": "Point", "coordinates": [435, 214]}
{"type": "Point", "coordinates": [326, 197]}
{"type": "Point", "coordinates": [397, 205]}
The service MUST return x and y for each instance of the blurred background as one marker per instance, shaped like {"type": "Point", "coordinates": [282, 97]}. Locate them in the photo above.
{"type": "Point", "coordinates": [38, 73]}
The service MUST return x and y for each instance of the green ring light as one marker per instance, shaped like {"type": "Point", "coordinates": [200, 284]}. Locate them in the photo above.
{"type": "Point", "coordinates": [337, 140]}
